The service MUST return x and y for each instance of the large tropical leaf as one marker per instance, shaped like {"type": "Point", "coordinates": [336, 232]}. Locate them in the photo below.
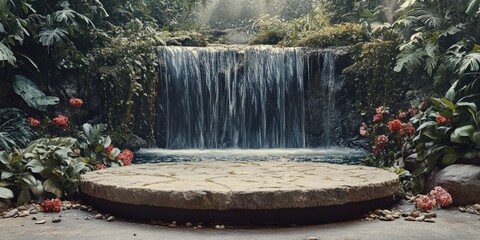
{"type": "Point", "coordinates": [410, 61]}
{"type": "Point", "coordinates": [428, 17]}
{"type": "Point", "coordinates": [6, 54]}
{"type": "Point", "coordinates": [471, 62]}
{"type": "Point", "coordinates": [32, 94]}
{"type": "Point", "coordinates": [48, 37]}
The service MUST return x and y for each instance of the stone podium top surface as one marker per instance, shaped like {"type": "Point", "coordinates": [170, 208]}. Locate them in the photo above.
{"type": "Point", "coordinates": [222, 185]}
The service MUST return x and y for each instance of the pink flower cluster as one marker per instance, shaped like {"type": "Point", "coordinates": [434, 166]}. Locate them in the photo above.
{"type": "Point", "coordinates": [441, 196]}
{"type": "Point", "coordinates": [441, 119]}
{"type": "Point", "coordinates": [34, 122]}
{"type": "Point", "coordinates": [380, 143]}
{"type": "Point", "coordinates": [53, 205]}
{"type": "Point", "coordinates": [76, 102]}
{"type": "Point", "coordinates": [437, 197]}
{"type": "Point", "coordinates": [61, 121]}
{"type": "Point", "coordinates": [126, 156]}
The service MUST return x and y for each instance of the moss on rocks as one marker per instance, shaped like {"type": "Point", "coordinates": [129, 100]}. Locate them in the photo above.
{"type": "Point", "coordinates": [343, 34]}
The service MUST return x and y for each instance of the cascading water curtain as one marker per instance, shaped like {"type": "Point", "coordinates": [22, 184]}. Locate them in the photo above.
{"type": "Point", "coordinates": [219, 97]}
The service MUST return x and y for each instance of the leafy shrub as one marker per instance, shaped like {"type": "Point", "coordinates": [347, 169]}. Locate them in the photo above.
{"type": "Point", "coordinates": [387, 135]}
{"type": "Point", "coordinates": [14, 129]}
{"type": "Point", "coordinates": [270, 30]}
{"type": "Point", "coordinates": [450, 129]}
{"type": "Point", "coordinates": [337, 35]}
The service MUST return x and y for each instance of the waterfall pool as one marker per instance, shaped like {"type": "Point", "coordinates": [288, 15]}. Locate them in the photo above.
{"type": "Point", "coordinates": [330, 155]}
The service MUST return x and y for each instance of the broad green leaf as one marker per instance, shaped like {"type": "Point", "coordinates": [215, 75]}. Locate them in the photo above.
{"type": "Point", "coordinates": [24, 197]}
{"type": "Point", "coordinates": [6, 54]}
{"type": "Point", "coordinates": [426, 124]}
{"type": "Point", "coordinates": [450, 158]}
{"type": "Point", "coordinates": [36, 166]}
{"type": "Point", "coordinates": [4, 158]}
{"type": "Point", "coordinates": [476, 138]}
{"type": "Point", "coordinates": [37, 189]}
{"type": "Point", "coordinates": [6, 193]}
{"type": "Point", "coordinates": [32, 94]}
{"type": "Point", "coordinates": [6, 174]}
{"type": "Point", "coordinates": [54, 186]}
{"type": "Point", "coordinates": [451, 92]}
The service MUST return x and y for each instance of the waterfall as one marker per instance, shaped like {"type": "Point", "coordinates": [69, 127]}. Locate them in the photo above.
{"type": "Point", "coordinates": [233, 97]}
{"type": "Point", "coordinates": [328, 81]}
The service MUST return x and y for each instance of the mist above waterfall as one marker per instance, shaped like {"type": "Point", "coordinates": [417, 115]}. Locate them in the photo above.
{"type": "Point", "coordinates": [224, 14]}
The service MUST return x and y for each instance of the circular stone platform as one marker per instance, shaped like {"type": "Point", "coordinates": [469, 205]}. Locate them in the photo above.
{"type": "Point", "coordinates": [273, 192]}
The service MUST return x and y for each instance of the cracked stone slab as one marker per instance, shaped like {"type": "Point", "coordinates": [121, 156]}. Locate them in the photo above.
{"type": "Point", "coordinates": [220, 185]}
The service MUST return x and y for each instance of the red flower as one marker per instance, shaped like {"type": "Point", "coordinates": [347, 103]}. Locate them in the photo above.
{"type": "Point", "coordinates": [109, 149]}
{"type": "Point", "coordinates": [407, 128]}
{"type": "Point", "coordinates": [441, 196]}
{"type": "Point", "coordinates": [412, 111]}
{"type": "Point", "coordinates": [363, 130]}
{"type": "Point", "coordinates": [53, 205]}
{"type": "Point", "coordinates": [441, 119]}
{"type": "Point", "coordinates": [378, 117]}
{"type": "Point", "coordinates": [402, 115]}
{"type": "Point", "coordinates": [34, 122]}
{"type": "Point", "coordinates": [126, 156]}
{"type": "Point", "coordinates": [380, 110]}
{"type": "Point", "coordinates": [424, 203]}
{"type": "Point", "coordinates": [395, 125]}
{"type": "Point", "coordinates": [100, 166]}
{"type": "Point", "coordinates": [76, 102]}
{"type": "Point", "coordinates": [61, 121]}
{"type": "Point", "coordinates": [380, 143]}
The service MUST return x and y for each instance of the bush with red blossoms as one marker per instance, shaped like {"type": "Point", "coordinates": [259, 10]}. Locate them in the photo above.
{"type": "Point", "coordinates": [61, 121]}
{"type": "Point", "coordinates": [424, 203]}
{"type": "Point", "coordinates": [387, 134]}
{"type": "Point", "coordinates": [53, 205]}
{"type": "Point", "coordinates": [34, 122]}
{"type": "Point", "coordinates": [441, 196]}
{"type": "Point", "coordinates": [395, 125]}
{"type": "Point", "coordinates": [441, 119]}
{"type": "Point", "coordinates": [76, 102]}
{"type": "Point", "coordinates": [126, 156]}
{"type": "Point", "coordinates": [438, 197]}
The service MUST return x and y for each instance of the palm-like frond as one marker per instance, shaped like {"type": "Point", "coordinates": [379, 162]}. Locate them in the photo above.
{"type": "Point", "coordinates": [428, 17]}
{"type": "Point", "coordinates": [470, 62]}
{"type": "Point", "coordinates": [48, 37]}
{"type": "Point", "coordinates": [410, 61]}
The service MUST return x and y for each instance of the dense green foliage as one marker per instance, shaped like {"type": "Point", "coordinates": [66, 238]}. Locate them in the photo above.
{"type": "Point", "coordinates": [14, 129]}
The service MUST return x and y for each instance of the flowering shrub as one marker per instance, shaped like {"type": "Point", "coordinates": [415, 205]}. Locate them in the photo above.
{"type": "Point", "coordinates": [34, 122]}
{"type": "Point", "coordinates": [424, 203]}
{"type": "Point", "coordinates": [441, 196]}
{"type": "Point", "coordinates": [61, 121]}
{"type": "Point", "coordinates": [438, 197]}
{"type": "Point", "coordinates": [387, 135]}
{"type": "Point", "coordinates": [126, 156]}
{"type": "Point", "coordinates": [53, 205]}
{"type": "Point", "coordinates": [76, 102]}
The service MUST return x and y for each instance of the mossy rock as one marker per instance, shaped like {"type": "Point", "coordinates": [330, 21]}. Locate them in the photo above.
{"type": "Point", "coordinates": [269, 37]}
{"type": "Point", "coordinates": [338, 35]}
